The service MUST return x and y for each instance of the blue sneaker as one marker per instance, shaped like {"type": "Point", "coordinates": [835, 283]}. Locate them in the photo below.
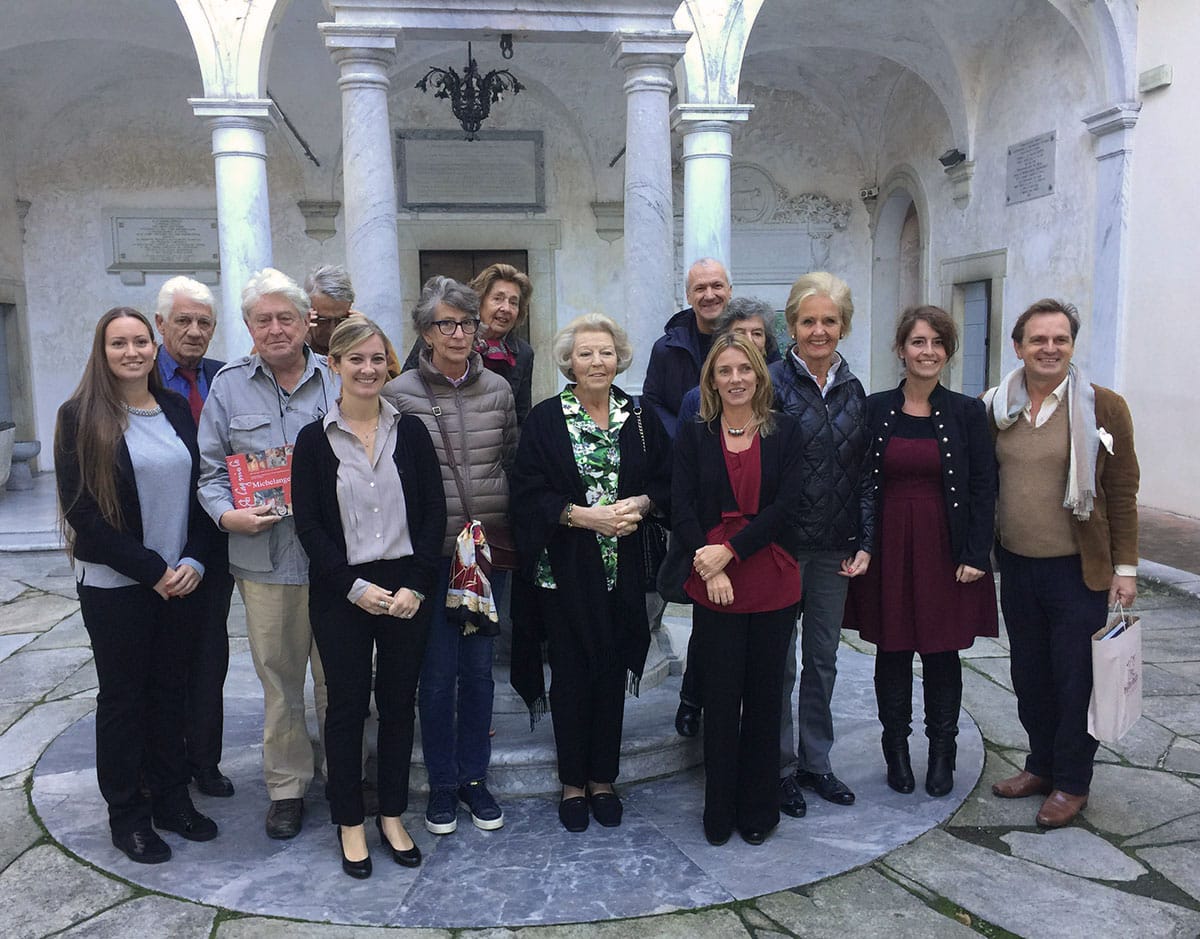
{"type": "Point", "coordinates": [441, 814]}
{"type": "Point", "coordinates": [485, 813]}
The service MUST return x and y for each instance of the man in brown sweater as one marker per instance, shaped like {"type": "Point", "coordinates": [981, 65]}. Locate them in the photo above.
{"type": "Point", "coordinates": [1067, 531]}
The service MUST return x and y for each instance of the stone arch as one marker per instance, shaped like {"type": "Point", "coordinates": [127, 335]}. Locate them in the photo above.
{"type": "Point", "coordinates": [901, 196]}
{"type": "Point", "coordinates": [233, 43]}
{"type": "Point", "coordinates": [711, 65]}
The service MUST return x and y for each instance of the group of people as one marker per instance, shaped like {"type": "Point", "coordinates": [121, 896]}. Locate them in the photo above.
{"type": "Point", "coordinates": [425, 494]}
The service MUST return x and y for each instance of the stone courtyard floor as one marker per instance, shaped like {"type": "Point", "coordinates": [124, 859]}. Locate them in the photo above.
{"type": "Point", "coordinates": [1131, 866]}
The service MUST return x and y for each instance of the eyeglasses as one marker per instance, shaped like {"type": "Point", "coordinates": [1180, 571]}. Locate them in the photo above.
{"type": "Point", "coordinates": [447, 327]}
{"type": "Point", "coordinates": [325, 320]}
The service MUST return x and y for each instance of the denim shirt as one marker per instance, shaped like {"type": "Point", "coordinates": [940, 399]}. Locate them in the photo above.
{"type": "Point", "coordinates": [247, 410]}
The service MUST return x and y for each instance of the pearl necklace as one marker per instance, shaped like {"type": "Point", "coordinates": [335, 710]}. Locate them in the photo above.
{"type": "Point", "coordinates": [737, 431]}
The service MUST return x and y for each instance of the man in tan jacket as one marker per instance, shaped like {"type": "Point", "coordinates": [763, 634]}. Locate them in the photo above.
{"type": "Point", "coordinates": [1067, 530]}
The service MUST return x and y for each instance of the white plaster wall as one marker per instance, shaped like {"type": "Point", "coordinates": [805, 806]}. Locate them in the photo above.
{"type": "Point", "coordinates": [1162, 330]}
{"type": "Point", "coordinates": [807, 147]}
{"type": "Point", "coordinates": [148, 152]}
{"type": "Point", "coordinates": [1036, 77]}
{"type": "Point", "coordinates": [574, 97]}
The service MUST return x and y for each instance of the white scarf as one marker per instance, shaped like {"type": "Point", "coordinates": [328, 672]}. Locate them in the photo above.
{"type": "Point", "coordinates": [1007, 400]}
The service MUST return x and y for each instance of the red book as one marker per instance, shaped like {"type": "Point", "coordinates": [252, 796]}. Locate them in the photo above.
{"type": "Point", "coordinates": [262, 477]}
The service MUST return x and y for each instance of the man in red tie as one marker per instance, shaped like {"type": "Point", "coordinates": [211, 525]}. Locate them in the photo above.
{"type": "Point", "coordinates": [186, 318]}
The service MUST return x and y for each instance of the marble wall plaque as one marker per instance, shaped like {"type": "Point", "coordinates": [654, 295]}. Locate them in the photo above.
{"type": "Point", "coordinates": [502, 171]}
{"type": "Point", "coordinates": [1030, 169]}
{"type": "Point", "coordinates": [162, 240]}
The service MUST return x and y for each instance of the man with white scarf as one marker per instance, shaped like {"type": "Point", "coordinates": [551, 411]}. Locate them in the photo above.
{"type": "Point", "coordinates": [1068, 548]}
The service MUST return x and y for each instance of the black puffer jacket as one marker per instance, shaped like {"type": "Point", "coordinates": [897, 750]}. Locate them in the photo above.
{"type": "Point", "coordinates": [837, 509]}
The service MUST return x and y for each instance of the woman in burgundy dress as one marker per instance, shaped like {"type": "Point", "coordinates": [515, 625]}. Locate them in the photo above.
{"type": "Point", "coordinates": [930, 588]}
{"type": "Point", "coordinates": [734, 499]}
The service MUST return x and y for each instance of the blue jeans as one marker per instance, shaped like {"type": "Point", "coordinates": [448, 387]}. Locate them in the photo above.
{"type": "Point", "coordinates": [455, 694]}
{"type": "Point", "coordinates": [821, 608]}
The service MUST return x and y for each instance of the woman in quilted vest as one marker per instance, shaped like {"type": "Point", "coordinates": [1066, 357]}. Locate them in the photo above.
{"type": "Point", "coordinates": [469, 414]}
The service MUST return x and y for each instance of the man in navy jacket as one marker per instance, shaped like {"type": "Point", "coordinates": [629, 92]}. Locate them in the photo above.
{"type": "Point", "coordinates": [186, 318]}
{"type": "Point", "coordinates": [675, 360]}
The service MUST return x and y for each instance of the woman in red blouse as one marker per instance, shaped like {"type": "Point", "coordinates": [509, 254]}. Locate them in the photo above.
{"type": "Point", "coordinates": [733, 500]}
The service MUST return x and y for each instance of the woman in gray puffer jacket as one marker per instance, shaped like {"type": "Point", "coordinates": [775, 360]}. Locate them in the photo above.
{"type": "Point", "coordinates": [475, 411]}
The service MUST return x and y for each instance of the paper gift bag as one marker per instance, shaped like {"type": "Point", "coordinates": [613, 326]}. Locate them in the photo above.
{"type": "Point", "coordinates": [1116, 702]}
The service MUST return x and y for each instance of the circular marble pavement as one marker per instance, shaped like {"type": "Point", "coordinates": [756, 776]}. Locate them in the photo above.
{"type": "Point", "coordinates": [529, 872]}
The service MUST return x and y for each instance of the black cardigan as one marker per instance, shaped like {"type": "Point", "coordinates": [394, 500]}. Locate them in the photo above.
{"type": "Point", "coordinates": [122, 550]}
{"type": "Point", "coordinates": [319, 522]}
{"type": "Point", "coordinates": [544, 480]}
{"type": "Point", "coordinates": [968, 467]}
{"type": "Point", "coordinates": [701, 491]}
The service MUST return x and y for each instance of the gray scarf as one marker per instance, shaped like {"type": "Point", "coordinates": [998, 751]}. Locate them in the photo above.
{"type": "Point", "coordinates": [1007, 400]}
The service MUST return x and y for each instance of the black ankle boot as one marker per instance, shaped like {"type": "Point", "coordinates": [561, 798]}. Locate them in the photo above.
{"type": "Point", "coordinates": [893, 693]}
{"type": "Point", "coordinates": [943, 700]}
{"type": "Point", "coordinates": [899, 767]}
{"type": "Point", "coordinates": [939, 777]}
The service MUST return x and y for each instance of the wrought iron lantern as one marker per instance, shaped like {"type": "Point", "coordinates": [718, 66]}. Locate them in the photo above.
{"type": "Point", "coordinates": [471, 97]}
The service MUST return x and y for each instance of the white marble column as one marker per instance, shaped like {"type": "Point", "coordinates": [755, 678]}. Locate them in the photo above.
{"type": "Point", "coordinates": [239, 135]}
{"type": "Point", "coordinates": [647, 60]}
{"type": "Point", "coordinates": [1113, 129]}
{"type": "Point", "coordinates": [707, 131]}
{"type": "Point", "coordinates": [369, 179]}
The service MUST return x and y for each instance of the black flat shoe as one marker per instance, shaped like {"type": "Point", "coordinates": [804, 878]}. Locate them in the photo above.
{"type": "Point", "coordinates": [186, 821]}
{"type": "Point", "coordinates": [212, 782]}
{"type": "Point", "coordinates": [753, 836]}
{"type": "Point", "coordinates": [573, 813]}
{"type": "Point", "coordinates": [687, 720]}
{"type": "Point", "coordinates": [143, 846]}
{"type": "Point", "coordinates": [716, 838]}
{"type": "Point", "coordinates": [409, 858]}
{"type": "Point", "coordinates": [827, 786]}
{"type": "Point", "coordinates": [607, 808]}
{"type": "Point", "coordinates": [359, 870]}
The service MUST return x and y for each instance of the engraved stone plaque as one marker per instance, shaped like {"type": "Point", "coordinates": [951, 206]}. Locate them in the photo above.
{"type": "Point", "coordinates": [1030, 169]}
{"type": "Point", "coordinates": [502, 171]}
{"type": "Point", "coordinates": [162, 241]}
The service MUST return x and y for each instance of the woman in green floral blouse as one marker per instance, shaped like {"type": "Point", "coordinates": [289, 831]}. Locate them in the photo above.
{"type": "Point", "coordinates": [590, 466]}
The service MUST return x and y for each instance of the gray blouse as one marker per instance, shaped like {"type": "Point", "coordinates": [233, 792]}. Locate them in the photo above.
{"type": "Point", "coordinates": [370, 498]}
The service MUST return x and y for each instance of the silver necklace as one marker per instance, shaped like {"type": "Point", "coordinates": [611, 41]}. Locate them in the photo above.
{"type": "Point", "coordinates": [144, 412]}
{"type": "Point", "coordinates": [737, 431]}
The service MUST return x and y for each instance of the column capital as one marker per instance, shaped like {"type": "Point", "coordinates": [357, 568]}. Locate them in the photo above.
{"type": "Point", "coordinates": [656, 47]}
{"type": "Point", "coordinates": [1113, 127]}
{"type": "Point", "coordinates": [259, 114]}
{"type": "Point", "coordinates": [696, 118]}
{"type": "Point", "coordinates": [363, 40]}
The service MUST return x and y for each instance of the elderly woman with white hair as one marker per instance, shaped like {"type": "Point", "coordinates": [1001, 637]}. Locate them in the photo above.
{"type": "Point", "coordinates": [813, 383]}
{"type": "Point", "coordinates": [591, 465]}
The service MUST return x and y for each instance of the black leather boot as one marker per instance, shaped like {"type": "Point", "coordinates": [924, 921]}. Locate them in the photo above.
{"type": "Point", "coordinates": [893, 693]}
{"type": "Point", "coordinates": [943, 699]}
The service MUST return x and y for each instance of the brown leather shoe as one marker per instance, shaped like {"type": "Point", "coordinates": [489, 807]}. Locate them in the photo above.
{"type": "Point", "coordinates": [1022, 785]}
{"type": "Point", "coordinates": [1060, 808]}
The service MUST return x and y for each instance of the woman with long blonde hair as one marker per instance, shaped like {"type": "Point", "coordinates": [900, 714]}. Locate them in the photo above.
{"type": "Point", "coordinates": [733, 503]}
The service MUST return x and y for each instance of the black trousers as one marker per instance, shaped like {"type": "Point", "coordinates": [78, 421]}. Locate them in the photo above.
{"type": "Point", "coordinates": [207, 665]}
{"type": "Point", "coordinates": [139, 646]}
{"type": "Point", "coordinates": [346, 638]}
{"type": "Point", "coordinates": [1050, 615]}
{"type": "Point", "coordinates": [741, 660]}
{"type": "Point", "coordinates": [587, 703]}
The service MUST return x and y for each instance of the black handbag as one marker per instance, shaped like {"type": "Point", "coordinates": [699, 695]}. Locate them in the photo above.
{"type": "Point", "coordinates": [674, 572]}
{"type": "Point", "coordinates": [651, 529]}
